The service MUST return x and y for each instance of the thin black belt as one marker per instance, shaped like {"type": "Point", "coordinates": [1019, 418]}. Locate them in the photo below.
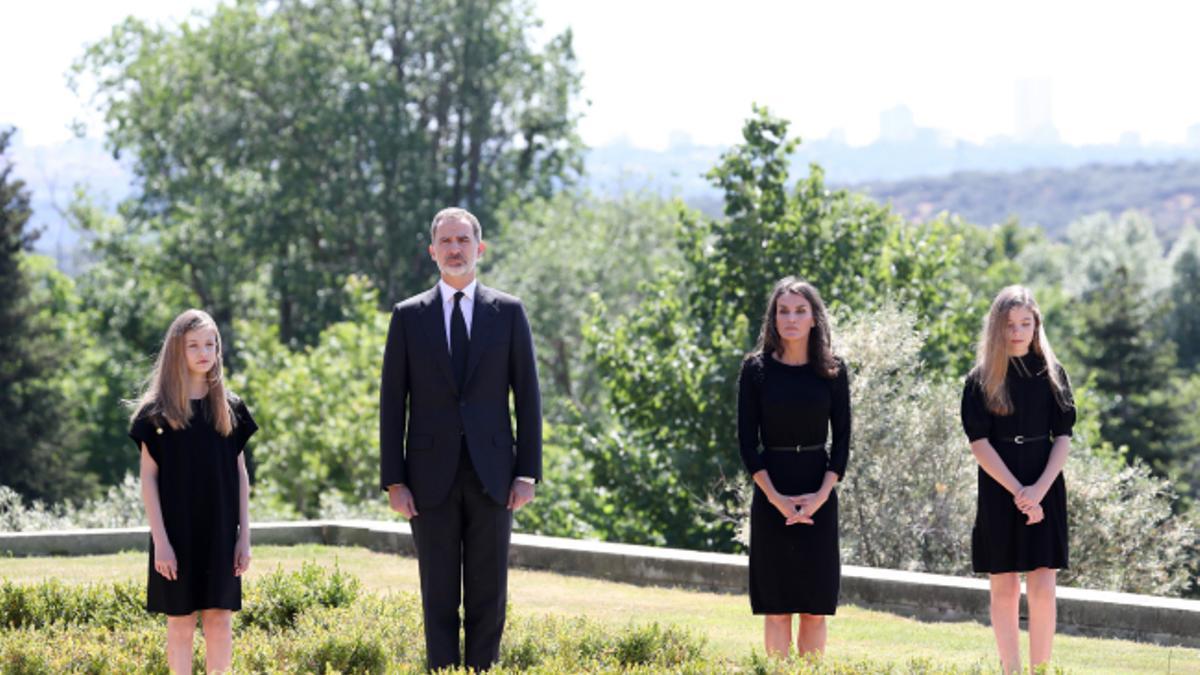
{"type": "Point", "coordinates": [797, 448]}
{"type": "Point", "coordinates": [1021, 440]}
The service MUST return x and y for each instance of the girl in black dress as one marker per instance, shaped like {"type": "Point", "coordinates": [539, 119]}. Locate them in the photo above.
{"type": "Point", "coordinates": [792, 393]}
{"type": "Point", "coordinates": [1018, 414]}
{"type": "Point", "coordinates": [191, 433]}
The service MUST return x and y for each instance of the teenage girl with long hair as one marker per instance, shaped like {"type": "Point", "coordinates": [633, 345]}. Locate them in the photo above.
{"type": "Point", "coordinates": [1018, 414]}
{"type": "Point", "coordinates": [191, 432]}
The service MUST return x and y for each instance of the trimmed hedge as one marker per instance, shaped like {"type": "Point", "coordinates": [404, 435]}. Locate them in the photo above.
{"type": "Point", "coordinates": [315, 620]}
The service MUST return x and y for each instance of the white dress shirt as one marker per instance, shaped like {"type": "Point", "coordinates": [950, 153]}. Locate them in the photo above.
{"type": "Point", "coordinates": [467, 304]}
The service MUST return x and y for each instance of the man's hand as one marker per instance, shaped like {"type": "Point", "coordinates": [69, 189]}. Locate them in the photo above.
{"type": "Point", "coordinates": [520, 494]}
{"type": "Point", "coordinates": [401, 500]}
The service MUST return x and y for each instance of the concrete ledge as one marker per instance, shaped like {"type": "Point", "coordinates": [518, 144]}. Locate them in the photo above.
{"type": "Point", "coordinates": [74, 542]}
{"type": "Point", "coordinates": [719, 572]}
{"type": "Point", "coordinates": [1165, 621]}
{"type": "Point", "coordinates": [382, 536]}
{"type": "Point", "coordinates": [116, 540]}
{"type": "Point", "coordinates": [1145, 618]}
{"type": "Point", "coordinates": [930, 597]}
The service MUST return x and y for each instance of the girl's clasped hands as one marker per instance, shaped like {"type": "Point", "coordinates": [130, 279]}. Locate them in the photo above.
{"type": "Point", "coordinates": [1029, 501]}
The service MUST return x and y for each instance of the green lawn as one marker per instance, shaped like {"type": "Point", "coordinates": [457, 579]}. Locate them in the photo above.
{"type": "Point", "coordinates": [725, 620]}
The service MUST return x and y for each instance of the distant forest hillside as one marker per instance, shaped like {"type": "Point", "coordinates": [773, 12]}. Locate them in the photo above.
{"type": "Point", "coordinates": [1169, 193]}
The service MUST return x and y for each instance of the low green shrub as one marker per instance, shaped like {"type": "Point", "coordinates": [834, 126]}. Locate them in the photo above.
{"type": "Point", "coordinates": [550, 642]}
{"type": "Point", "coordinates": [311, 620]}
{"type": "Point", "coordinates": [315, 620]}
{"type": "Point", "coordinates": [61, 648]}
{"type": "Point", "coordinates": [652, 644]}
{"type": "Point", "coordinates": [277, 599]}
{"type": "Point", "coordinates": [53, 602]}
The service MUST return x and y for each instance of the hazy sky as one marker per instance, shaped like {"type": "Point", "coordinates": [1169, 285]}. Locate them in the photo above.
{"type": "Point", "coordinates": [654, 67]}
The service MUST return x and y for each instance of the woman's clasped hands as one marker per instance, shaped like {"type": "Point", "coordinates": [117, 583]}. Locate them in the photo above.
{"type": "Point", "coordinates": [799, 508]}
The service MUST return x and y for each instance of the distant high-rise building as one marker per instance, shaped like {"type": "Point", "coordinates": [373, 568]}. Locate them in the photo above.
{"type": "Point", "coordinates": [896, 125]}
{"type": "Point", "coordinates": [1035, 111]}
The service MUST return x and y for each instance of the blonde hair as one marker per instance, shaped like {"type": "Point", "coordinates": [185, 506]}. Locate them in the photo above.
{"type": "Point", "coordinates": [166, 395]}
{"type": "Point", "coordinates": [991, 357]}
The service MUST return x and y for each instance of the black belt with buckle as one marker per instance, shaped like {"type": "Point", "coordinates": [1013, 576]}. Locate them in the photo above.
{"type": "Point", "coordinates": [797, 448]}
{"type": "Point", "coordinates": [1021, 440]}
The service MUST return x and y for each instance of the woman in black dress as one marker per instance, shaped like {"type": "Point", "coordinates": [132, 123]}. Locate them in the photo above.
{"type": "Point", "coordinates": [1018, 414]}
{"type": "Point", "coordinates": [792, 393]}
{"type": "Point", "coordinates": [191, 433]}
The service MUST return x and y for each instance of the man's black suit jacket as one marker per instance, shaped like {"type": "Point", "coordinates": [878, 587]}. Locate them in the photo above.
{"type": "Point", "coordinates": [423, 416]}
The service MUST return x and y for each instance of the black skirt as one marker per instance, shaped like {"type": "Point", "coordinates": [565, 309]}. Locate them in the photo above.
{"type": "Point", "coordinates": [1001, 540]}
{"type": "Point", "coordinates": [794, 568]}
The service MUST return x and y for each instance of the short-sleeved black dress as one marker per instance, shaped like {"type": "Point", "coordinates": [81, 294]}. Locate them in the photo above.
{"type": "Point", "coordinates": [1001, 540]}
{"type": "Point", "coordinates": [793, 568]}
{"type": "Point", "coordinates": [198, 490]}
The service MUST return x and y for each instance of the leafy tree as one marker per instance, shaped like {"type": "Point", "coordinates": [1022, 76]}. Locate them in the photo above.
{"type": "Point", "coordinates": [554, 253]}
{"type": "Point", "coordinates": [37, 455]}
{"type": "Point", "coordinates": [305, 141]}
{"type": "Point", "coordinates": [318, 408]}
{"type": "Point", "coordinates": [1099, 244]}
{"type": "Point", "coordinates": [992, 256]}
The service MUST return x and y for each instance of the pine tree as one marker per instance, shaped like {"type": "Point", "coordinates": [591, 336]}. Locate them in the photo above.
{"type": "Point", "coordinates": [36, 458]}
{"type": "Point", "coordinates": [1132, 368]}
{"type": "Point", "coordinates": [1184, 321]}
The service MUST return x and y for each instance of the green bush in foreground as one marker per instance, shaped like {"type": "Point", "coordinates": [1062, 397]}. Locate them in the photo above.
{"type": "Point", "coordinates": [278, 599]}
{"type": "Point", "coordinates": [111, 606]}
{"type": "Point", "coordinates": [314, 620]}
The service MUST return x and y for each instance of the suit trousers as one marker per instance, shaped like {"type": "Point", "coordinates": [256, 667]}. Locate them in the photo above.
{"type": "Point", "coordinates": [462, 556]}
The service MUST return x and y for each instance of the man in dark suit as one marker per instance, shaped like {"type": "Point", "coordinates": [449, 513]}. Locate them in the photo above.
{"type": "Point", "coordinates": [449, 459]}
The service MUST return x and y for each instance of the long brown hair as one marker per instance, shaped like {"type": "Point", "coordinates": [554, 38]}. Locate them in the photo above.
{"type": "Point", "coordinates": [991, 356]}
{"type": "Point", "coordinates": [166, 394]}
{"type": "Point", "coordinates": [820, 351]}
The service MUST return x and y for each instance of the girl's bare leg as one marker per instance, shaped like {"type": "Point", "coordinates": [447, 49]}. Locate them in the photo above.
{"type": "Point", "coordinates": [180, 630]}
{"type": "Point", "coordinates": [218, 640]}
{"type": "Point", "coordinates": [1006, 607]}
{"type": "Point", "coordinates": [1040, 590]}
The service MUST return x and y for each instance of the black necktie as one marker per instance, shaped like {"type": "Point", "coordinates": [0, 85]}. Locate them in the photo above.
{"type": "Point", "coordinates": [458, 342]}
